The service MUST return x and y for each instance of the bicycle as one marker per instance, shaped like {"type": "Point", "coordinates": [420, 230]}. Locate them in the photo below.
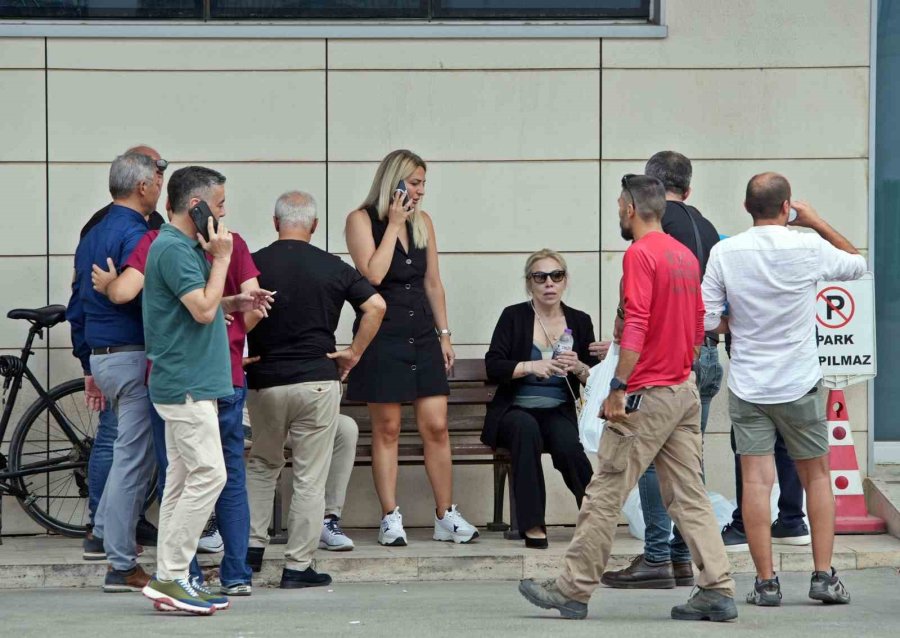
{"type": "Point", "coordinates": [49, 451]}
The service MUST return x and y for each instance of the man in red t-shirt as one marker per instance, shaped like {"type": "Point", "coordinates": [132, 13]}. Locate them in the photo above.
{"type": "Point", "coordinates": [653, 414]}
{"type": "Point", "coordinates": [232, 510]}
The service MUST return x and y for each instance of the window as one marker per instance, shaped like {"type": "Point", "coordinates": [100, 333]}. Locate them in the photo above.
{"type": "Point", "coordinates": [326, 9]}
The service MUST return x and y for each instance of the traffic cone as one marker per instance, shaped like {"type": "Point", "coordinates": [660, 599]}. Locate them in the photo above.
{"type": "Point", "coordinates": [851, 515]}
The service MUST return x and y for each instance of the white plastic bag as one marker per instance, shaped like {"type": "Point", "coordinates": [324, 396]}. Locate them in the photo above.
{"type": "Point", "coordinates": [590, 425]}
{"type": "Point", "coordinates": [722, 508]}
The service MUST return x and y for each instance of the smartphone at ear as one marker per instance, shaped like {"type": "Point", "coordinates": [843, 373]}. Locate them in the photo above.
{"type": "Point", "coordinates": [200, 215]}
{"type": "Point", "coordinates": [401, 186]}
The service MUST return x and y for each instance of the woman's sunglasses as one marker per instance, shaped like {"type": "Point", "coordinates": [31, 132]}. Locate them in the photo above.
{"type": "Point", "coordinates": [540, 277]}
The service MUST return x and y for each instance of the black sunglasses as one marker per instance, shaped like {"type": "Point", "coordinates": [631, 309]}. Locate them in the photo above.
{"type": "Point", "coordinates": [540, 277]}
{"type": "Point", "coordinates": [625, 179]}
{"type": "Point", "coordinates": [162, 165]}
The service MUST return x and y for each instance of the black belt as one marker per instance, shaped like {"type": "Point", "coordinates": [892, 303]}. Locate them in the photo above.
{"type": "Point", "coordinates": [711, 339]}
{"type": "Point", "coordinates": [115, 349]}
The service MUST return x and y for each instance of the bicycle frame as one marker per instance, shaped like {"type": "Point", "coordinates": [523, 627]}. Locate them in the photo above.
{"type": "Point", "coordinates": [14, 384]}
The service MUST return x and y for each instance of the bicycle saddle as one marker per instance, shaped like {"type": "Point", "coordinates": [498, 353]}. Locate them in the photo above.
{"type": "Point", "coordinates": [45, 317]}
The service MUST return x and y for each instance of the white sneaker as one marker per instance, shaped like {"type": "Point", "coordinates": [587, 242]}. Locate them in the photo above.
{"type": "Point", "coordinates": [211, 541]}
{"type": "Point", "coordinates": [333, 537]}
{"type": "Point", "coordinates": [391, 531]}
{"type": "Point", "coordinates": [453, 527]}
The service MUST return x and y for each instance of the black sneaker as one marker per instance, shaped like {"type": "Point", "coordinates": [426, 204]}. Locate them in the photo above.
{"type": "Point", "coordinates": [797, 535]}
{"type": "Point", "coordinates": [735, 539]}
{"type": "Point", "coordinates": [146, 534]}
{"type": "Point", "coordinates": [828, 588]}
{"type": "Point", "coordinates": [766, 593]}
{"type": "Point", "coordinates": [706, 604]}
{"type": "Point", "coordinates": [92, 547]}
{"type": "Point", "coordinates": [295, 579]}
{"type": "Point", "coordinates": [255, 558]}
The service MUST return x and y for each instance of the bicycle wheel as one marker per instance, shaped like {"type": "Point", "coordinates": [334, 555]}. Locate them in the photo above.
{"type": "Point", "coordinates": [56, 498]}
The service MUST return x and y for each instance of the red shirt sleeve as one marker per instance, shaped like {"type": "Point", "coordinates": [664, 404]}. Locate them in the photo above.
{"type": "Point", "coordinates": [701, 317]}
{"type": "Point", "coordinates": [637, 282]}
{"type": "Point", "coordinates": [240, 255]}
{"type": "Point", "coordinates": [138, 258]}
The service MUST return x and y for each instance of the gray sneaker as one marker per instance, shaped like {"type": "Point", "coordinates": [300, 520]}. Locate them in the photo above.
{"type": "Point", "coordinates": [546, 595]}
{"type": "Point", "coordinates": [828, 588]}
{"type": "Point", "coordinates": [766, 593]}
{"type": "Point", "coordinates": [706, 604]}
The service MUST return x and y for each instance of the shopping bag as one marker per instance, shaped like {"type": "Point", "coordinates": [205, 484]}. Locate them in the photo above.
{"type": "Point", "coordinates": [590, 425]}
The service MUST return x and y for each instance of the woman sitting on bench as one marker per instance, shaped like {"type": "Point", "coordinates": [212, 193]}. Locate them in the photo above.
{"type": "Point", "coordinates": [534, 407]}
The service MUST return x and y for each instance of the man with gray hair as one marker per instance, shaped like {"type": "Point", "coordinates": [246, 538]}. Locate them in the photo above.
{"type": "Point", "coordinates": [113, 337]}
{"type": "Point", "coordinates": [295, 387]}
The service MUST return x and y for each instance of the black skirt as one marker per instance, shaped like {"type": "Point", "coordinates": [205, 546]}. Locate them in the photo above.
{"type": "Point", "coordinates": [403, 363]}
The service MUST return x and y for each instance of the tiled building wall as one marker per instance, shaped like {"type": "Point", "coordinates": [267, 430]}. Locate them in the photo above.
{"type": "Point", "coordinates": [526, 141]}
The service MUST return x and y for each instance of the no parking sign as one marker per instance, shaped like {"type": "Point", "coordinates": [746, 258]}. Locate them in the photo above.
{"type": "Point", "coordinates": [845, 330]}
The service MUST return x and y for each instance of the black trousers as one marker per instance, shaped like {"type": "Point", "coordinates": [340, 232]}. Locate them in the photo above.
{"type": "Point", "coordinates": [526, 433]}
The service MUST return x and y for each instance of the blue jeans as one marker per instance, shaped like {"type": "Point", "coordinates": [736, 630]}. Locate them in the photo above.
{"type": "Point", "coordinates": [101, 458]}
{"type": "Point", "coordinates": [657, 547]}
{"type": "Point", "coordinates": [232, 508]}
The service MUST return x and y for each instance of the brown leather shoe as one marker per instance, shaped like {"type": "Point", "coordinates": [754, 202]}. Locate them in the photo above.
{"type": "Point", "coordinates": [641, 575]}
{"type": "Point", "coordinates": [684, 574]}
{"type": "Point", "coordinates": [123, 581]}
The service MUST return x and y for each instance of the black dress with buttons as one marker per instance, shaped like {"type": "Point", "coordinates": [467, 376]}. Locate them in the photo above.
{"type": "Point", "coordinates": [404, 362]}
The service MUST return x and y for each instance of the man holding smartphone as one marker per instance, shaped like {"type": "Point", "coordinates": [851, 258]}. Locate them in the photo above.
{"type": "Point", "coordinates": [187, 344]}
{"type": "Point", "coordinates": [662, 335]}
{"type": "Point", "coordinates": [768, 276]}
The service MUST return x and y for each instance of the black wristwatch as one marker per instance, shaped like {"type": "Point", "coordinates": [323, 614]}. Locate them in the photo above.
{"type": "Point", "coordinates": [620, 312]}
{"type": "Point", "coordinates": [617, 384]}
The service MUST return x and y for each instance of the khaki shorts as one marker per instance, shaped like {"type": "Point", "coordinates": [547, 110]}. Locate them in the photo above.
{"type": "Point", "coordinates": [801, 422]}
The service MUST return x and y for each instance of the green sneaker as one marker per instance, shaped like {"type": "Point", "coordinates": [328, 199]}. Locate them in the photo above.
{"type": "Point", "coordinates": [178, 594]}
{"type": "Point", "coordinates": [216, 600]}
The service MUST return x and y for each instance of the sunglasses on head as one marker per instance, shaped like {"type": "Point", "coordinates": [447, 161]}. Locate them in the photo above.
{"type": "Point", "coordinates": [162, 165]}
{"type": "Point", "coordinates": [625, 179]}
{"type": "Point", "coordinates": [540, 277]}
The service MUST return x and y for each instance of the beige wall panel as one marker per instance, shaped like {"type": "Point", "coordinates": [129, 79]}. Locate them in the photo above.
{"type": "Point", "coordinates": [23, 285]}
{"type": "Point", "coordinates": [63, 365]}
{"type": "Point", "coordinates": [78, 190]}
{"type": "Point", "coordinates": [778, 113]}
{"type": "Point", "coordinates": [488, 206]}
{"type": "Point", "coordinates": [185, 55]}
{"type": "Point", "coordinates": [22, 121]}
{"type": "Point", "coordinates": [224, 116]}
{"type": "Point", "coordinates": [465, 115]}
{"type": "Point", "coordinates": [837, 188]}
{"type": "Point", "coordinates": [751, 33]}
{"type": "Point", "coordinates": [22, 53]}
{"type": "Point", "coordinates": [61, 271]}
{"type": "Point", "coordinates": [480, 286]}
{"type": "Point", "coordinates": [464, 54]}
{"type": "Point", "coordinates": [610, 275]}
{"type": "Point", "coordinates": [23, 212]}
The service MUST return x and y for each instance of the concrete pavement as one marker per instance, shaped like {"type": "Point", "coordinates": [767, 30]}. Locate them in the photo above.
{"type": "Point", "coordinates": [455, 609]}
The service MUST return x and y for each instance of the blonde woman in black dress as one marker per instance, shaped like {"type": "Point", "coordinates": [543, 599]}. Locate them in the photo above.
{"type": "Point", "coordinates": [392, 243]}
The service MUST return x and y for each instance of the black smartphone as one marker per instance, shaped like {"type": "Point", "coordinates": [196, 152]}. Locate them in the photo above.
{"type": "Point", "coordinates": [633, 403]}
{"type": "Point", "coordinates": [200, 214]}
{"type": "Point", "coordinates": [401, 186]}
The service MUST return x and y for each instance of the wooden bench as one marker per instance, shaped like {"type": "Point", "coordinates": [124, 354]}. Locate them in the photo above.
{"type": "Point", "coordinates": [470, 392]}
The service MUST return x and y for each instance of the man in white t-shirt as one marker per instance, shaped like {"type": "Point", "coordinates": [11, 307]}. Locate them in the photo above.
{"type": "Point", "coordinates": [768, 276]}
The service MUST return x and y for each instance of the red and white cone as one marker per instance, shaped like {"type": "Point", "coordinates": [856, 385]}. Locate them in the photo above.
{"type": "Point", "coordinates": [851, 515]}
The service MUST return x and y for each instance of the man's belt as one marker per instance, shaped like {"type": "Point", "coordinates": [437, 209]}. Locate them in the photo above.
{"type": "Point", "coordinates": [711, 339]}
{"type": "Point", "coordinates": [115, 349]}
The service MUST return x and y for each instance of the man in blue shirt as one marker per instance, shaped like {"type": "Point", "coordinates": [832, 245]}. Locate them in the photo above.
{"type": "Point", "coordinates": [114, 337]}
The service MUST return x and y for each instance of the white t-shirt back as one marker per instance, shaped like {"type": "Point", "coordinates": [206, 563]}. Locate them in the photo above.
{"type": "Point", "coordinates": [768, 276]}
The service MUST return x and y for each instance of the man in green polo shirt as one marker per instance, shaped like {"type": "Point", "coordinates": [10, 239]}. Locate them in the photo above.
{"type": "Point", "coordinates": [187, 345]}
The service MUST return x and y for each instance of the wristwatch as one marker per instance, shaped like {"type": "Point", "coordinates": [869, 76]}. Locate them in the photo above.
{"type": "Point", "coordinates": [445, 331]}
{"type": "Point", "coordinates": [617, 384]}
{"type": "Point", "coordinates": [620, 312]}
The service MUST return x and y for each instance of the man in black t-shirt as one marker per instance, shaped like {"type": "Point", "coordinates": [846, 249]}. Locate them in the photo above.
{"type": "Point", "coordinates": [295, 387]}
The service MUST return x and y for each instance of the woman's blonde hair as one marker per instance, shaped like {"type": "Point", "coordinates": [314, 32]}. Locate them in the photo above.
{"type": "Point", "coordinates": [397, 165]}
{"type": "Point", "coordinates": [543, 253]}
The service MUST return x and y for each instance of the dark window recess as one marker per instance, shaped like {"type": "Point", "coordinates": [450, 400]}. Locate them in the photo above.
{"type": "Point", "coordinates": [326, 9]}
{"type": "Point", "coordinates": [87, 9]}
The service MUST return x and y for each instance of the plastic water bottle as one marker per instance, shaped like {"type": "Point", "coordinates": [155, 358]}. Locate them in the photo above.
{"type": "Point", "coordinates": [565, 344]}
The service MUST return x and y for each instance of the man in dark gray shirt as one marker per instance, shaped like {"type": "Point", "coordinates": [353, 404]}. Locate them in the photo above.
{"type": "Point", "coordinates": [295, 387]}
